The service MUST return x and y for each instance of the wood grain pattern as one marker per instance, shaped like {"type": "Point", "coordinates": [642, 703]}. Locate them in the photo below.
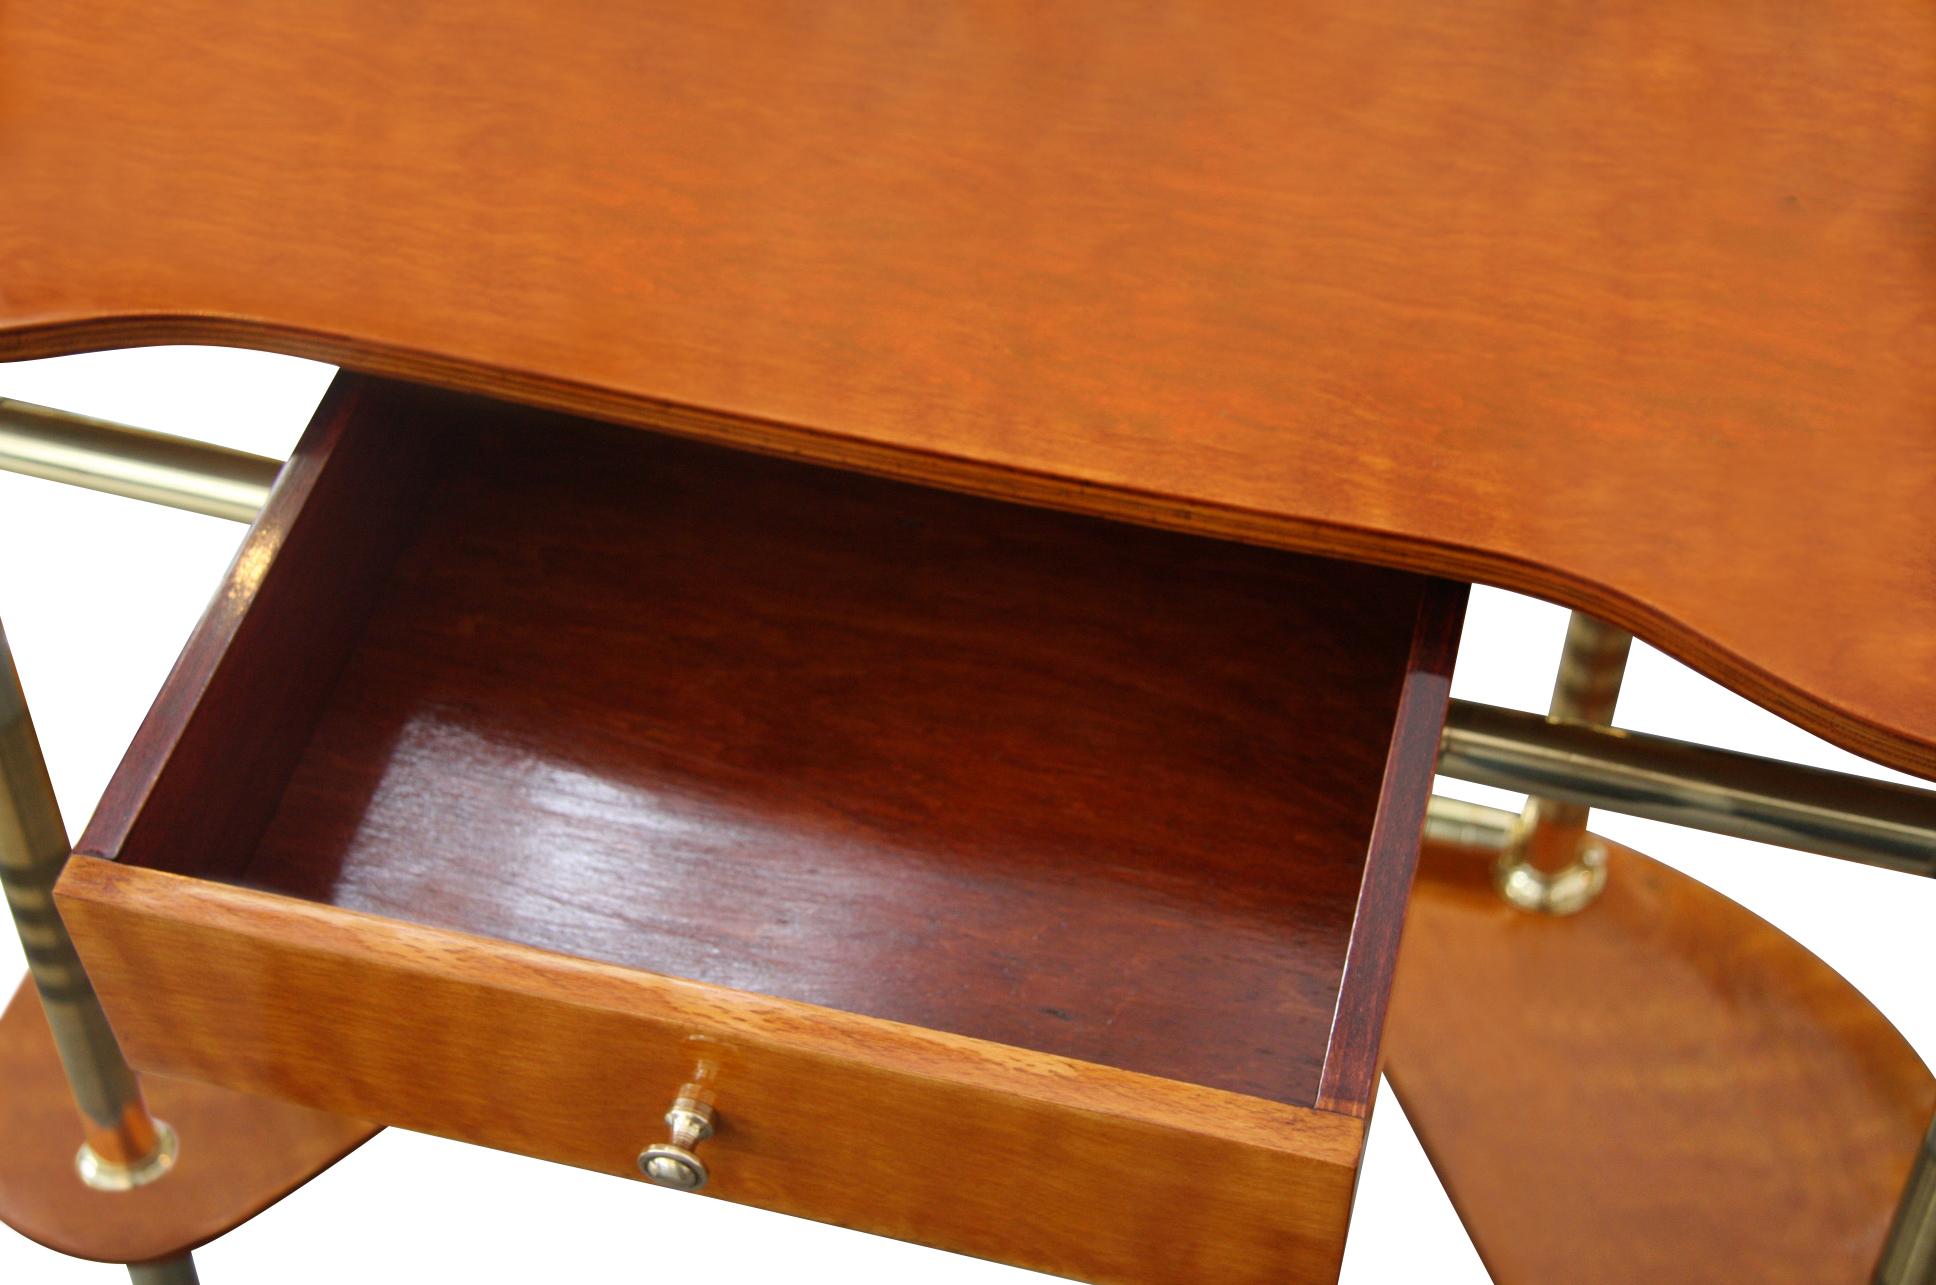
{"type": "Point", "coordinates": [1040, 779]}
{"type": "Point", "coordinates": [1628, 307]}
{"type": "Point", "coordinates": [846, 1119]}
{"type": "Point", "coordinates": [238, 706]}
{"type": "Point", "coordinates": [940, 837]}
{"type": "Point", "coordinates": [1663, 1087]}
{"type": "Point", "coordinates": [1351, 1063]}
{"type": "Point", "coordinates": [240, 1154]}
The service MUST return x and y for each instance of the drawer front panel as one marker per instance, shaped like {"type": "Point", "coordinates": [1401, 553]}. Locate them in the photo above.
{"type": "Point", "coordinates": [1044, 1162]}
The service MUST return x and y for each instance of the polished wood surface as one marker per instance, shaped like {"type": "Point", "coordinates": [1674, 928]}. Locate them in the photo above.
{"type": "Point", "coordinates": [916, 825]}
{"type": "Point", "coordinates": [1662, 1088]}
{"type": "Point", "coordinates": [1042, 1161]}
{"type": "Point", "coordinates": [237, 708]}
{"type": "Point", "coordinates": [239, 1155]}
{"type": "Point", "coordinates": [1351, 1063]}
{"type": "Point", "coordinates": [1628, 306]}
{"type": "Point", "coordinates": [1035, 778]}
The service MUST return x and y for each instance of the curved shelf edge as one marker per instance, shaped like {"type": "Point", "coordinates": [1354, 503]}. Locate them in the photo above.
{"type": "Point", "coordinates": [1907, 748]}
{"type": "Point", "coordinates": [1664, 1086]}
{"type": "Point", "coordinates": [239, 1155]}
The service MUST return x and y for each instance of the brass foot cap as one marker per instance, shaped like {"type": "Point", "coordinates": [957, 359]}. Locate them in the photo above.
{"type": "Point", "coordinates": [1564, 892]}
{"type": "Point", "coordinates": [105, 1175]}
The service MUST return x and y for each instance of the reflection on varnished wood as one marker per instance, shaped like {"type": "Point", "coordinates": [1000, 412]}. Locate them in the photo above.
{"type": "Point", "coordinates": [1040, 779]}
{"type": "Point", "coordinates": [1126, 802]}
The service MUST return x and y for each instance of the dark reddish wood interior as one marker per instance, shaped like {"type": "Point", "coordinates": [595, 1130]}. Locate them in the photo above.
{"type": "Point", "coordinates": [1062, 783]}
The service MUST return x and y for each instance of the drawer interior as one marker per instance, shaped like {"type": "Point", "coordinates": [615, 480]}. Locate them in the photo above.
{"type": "Point", "coordinates": [1075, 786]}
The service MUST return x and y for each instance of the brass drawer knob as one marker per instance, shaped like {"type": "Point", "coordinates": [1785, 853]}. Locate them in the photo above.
{"type": "Point", "coordinates": [676, 1163]}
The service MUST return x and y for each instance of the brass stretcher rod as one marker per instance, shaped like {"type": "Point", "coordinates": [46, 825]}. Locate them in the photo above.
{"type": "Point", "coordinates": [102, 456]}
{"type": "Point", "coordinates": [1832, 813]}
{"type": "Point", "coordinates": [1879, 823]}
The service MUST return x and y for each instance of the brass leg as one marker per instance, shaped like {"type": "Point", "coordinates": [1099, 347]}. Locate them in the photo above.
{"type": "Point", "coordinates": [169, 1271]}
{"type": "Point", "coordinates": [1909, 1256]}
{"type": "Point", "coordinates": [122, 1145]}
{"type": "Point", "coordinates": [1552, 865]}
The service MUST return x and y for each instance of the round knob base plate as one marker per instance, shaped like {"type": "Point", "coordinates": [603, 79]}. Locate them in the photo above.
{"type": "Point", "coordinates": [673, 1166]}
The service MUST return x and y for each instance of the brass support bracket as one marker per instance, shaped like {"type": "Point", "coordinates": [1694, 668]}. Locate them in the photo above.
{"type": "Point", "coordinates": [1566, 891]}
{"type": "Point", "coordinates": [1552, 866]}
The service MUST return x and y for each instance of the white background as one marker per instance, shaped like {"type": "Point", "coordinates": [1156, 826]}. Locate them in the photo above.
{"type": "Point", "coordinates": [98, 594]}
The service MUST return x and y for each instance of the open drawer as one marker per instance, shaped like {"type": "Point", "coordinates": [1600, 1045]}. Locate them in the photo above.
{"type": "Point", "coordinates": [1017, 882]}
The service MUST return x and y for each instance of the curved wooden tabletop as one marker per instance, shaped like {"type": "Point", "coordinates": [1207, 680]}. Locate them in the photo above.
{"type": "Point", "coordinates": [1631, 306]}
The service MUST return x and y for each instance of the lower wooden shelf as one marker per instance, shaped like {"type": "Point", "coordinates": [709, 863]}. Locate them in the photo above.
{"type": "Point", "coordinates": [239, 1154]}
{"type": "Point", "coordinates": [1662, 1087]}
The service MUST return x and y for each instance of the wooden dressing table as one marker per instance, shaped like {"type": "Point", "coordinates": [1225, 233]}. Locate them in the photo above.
{"type": "Point", "coordinates": [876, 598]}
